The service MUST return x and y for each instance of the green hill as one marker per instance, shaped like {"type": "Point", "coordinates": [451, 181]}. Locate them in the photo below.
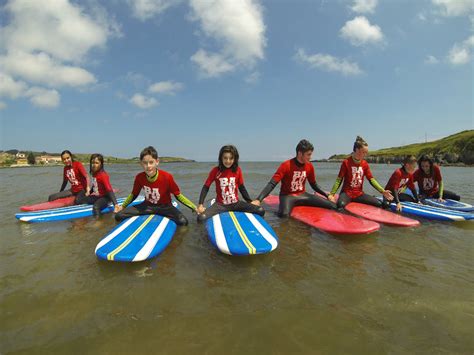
{"type": "Point", "coordinates": [457, 148]}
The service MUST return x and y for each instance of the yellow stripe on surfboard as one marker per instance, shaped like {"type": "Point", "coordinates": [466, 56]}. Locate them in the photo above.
{"type": "Point", "coordinates": [242, 234]}
{"type": "Point", "coordinates": [117, 250]}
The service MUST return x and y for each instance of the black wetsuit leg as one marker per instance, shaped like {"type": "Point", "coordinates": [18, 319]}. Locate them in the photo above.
{"type": "Point", "coordinates": [448, 195]}
{"type": "Point", "coordinates": [343, 200]}
{"type": "Point", "coordinates": [144, 208]}
{"type": "Point", "coordinates": [287, 202]}
{"type": "Point", "coordinates": [368, 200]}
{"type": "Point", "coordinates": [239, 206]}
{"type": "Point", "coordinates": [406, 198]}
{"type": "Point", "coordinates": [61, 194]}
{"type": "Point", "coordinates": [99, 203]}
{"type": "Point", "coordinates": [81, 198]}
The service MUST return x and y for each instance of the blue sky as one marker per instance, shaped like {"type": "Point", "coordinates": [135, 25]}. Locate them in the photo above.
{"type": "Point", "coordinates": [190, 76]}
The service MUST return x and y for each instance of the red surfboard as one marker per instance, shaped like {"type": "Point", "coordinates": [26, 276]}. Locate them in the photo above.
{"type": "Point", "coordinates": [379, 215]}
{"type": "Point", "coordinates": [60, 202]}
{"type": "Point", "coordinates": [327, 220]}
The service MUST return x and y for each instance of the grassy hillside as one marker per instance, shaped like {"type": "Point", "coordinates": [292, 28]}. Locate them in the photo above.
{"type": "Point", "coordinates": [457, 148]}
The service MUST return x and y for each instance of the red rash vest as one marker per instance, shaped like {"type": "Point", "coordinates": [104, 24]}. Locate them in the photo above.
{"type": "Point", "coordinates": [227, 184]}
{"type": "Point", "coordinates": [399, 181]}
{"type": "Point", "coordinates": [353, 175]}
{"type": "Point", "coordinates": [157, 192]}
{"type": "Point", "coordinates": [428, 184]}
{"type": "Point", "coordinates": [101, 184]}
{"type": "Point", "coordinates": [293, 177]}
{"type": "Point", "coordinates": [76, 175]}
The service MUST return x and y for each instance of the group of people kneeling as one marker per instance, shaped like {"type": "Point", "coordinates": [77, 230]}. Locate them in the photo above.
{"type": "Point", "coordinates": [158, 185]}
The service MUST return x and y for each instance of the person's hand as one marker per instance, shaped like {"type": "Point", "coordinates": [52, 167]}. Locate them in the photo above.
{"type": "Point", "coordinates": [117, 208]}
{"type": "Point", "coordinates": [256, 202]}
{"type": "Point", "coordinates": [88, 192]}
{"type": "Point", "coordinates": [399, 207]}
{"type": "Point", "coordinates": [332, 198]}
{"type": "Point", "coordinates": [388, 195]}
{"type": "Point", "coordinates": [200, 209]}
{"type": "Point", "coordinates": [441, 200]}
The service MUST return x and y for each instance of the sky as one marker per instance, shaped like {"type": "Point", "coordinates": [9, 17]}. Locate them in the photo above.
{"type": "Point", "coordinates": [188, 76]}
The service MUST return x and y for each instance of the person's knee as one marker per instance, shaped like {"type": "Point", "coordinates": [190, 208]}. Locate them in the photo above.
{"type": "Point", "coordinates": [260, 211]}
{"type": "Point", "coordinates": [182, 221]}
{"type": "Point", "coordinates": [201, 217]}
{"type": "Point", "coordinates": [119, 217]}
{"type": "Point", "coordinates": [341, 204]}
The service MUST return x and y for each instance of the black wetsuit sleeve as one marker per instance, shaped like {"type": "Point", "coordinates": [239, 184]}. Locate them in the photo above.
{"type": "Point", "coordinates": [203, 194]}
{"type": "Point", "coordinates": [112, 197]}
{"type": "Point", "coordinates": [316, 188]}
{"type": "Point", "coordinates": [267, 189]}
{"type": "Point", "coordinates": [63, 186]}
{"type": "Point", "coordinates": [396, 199]}
{"type": "Point", "coordinates": [415, 195]}
{"type": "Point", "coordinates": [245, 193]}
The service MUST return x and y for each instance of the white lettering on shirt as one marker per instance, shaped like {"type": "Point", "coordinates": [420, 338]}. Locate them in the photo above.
{"type": "Point", "coordinates": [152, 194]}
{"type": "Point", "coordinates": [228, 190]}
{"type": "Point", "coordinates": [71, 177]}
{"type": "Point", "coordinates": [299, 177]}
{"type": "Point", "coordinates": [357, 177]}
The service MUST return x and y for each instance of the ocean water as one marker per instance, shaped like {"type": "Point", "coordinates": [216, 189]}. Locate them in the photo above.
{"type": "Point", "coordinates": [395, 291]}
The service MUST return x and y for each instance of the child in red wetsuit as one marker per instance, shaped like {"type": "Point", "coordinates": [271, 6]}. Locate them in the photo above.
{"type": "Point", "coordinates": [101, 192]}
{"type": "Point", "coordinates": [76, 175]}
{"type": "Point", "coordinates": [401, 179]}
{"type": "Point", "coordinates": [429, 180]}
{"type": "Point", "coordinates": [293, 174]}
{"type": "Point", "coordinates": [229, 181]}
{"type": "Point", "coordinates": [352, 172]}
{"type": "Point", "coordinates": [158, 186]}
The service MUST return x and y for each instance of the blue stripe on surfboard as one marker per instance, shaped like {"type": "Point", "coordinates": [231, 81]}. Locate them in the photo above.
{"type": "Point", "coordinates": [440, 210]}
{"type": "Point", "coordinates": [115, 242]}
{"type": "Point", "coordinates": [61, 216]}
{"type": "Point", "coordinates": [69, 208]}
{"type": "Point", "coordinates": [450, 204]}
{"type": "Point", "coordinates": [260, 244]}
{"type": "Point", "coordinates": [426, 213]}
{"type": "Point", "coordinates": [232, 236]}
{"type": "Point", "coordinates": [265, 230]}
{"type": "Point", "coordinates": [130, 252]}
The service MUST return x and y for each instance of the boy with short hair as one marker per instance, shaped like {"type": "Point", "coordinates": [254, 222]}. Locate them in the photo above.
{"type": "Point", "coordinates": [158, 186]}
{"type": "Point", "coordinates": [293, 174]}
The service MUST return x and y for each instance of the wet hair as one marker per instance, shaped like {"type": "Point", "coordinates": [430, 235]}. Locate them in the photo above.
{"type": "Point", "coordinates": [67, 152]}
{"type": "Point", "coordinates": [423, 158]}
{"type": "Point", "coordinates": [359, 143]}
{"type": "Point", "coordinates": [149, 151]}
{"type": "Point", "coordinates": [235, 153]}
{"type": "Point", "coordinates": [304, 146]}
{"type": "Point", "coordinates": [101, 159]}
{"type": "Point", "coordinates": [409, 159]}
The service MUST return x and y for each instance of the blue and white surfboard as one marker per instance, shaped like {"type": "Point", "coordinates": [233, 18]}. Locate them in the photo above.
{"type": "Point", "coordinates": [241, 233]}
{"type": "Point", "coordinates": [66, 213]}
{"type": "Point", "coordinates": [450, 204]}
{"type": "Point", "coordinates": [137, 238]}
{"type": "Point", "coordinates": [431, 212]}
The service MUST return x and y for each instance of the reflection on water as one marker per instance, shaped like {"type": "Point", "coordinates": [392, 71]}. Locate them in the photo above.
{"type": "Point", "coordinates": [399, 290]}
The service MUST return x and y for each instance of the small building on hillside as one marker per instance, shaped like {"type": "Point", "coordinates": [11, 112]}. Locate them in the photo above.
{"type": "Point", "coordinates": [48, 159]}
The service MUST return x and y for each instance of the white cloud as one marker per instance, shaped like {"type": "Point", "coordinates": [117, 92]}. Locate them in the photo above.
{"type": "Point", "coordinates": [453, 8]}
{"type": "Point", "coordinates": [43, 69]}
{"type": "Point", "coordinates": [329, 63]}
{"type": "Point", "coordinates": [359, 31]}
{"type": "Point", "coordinates": [3, 105]}
{"type": "Point", "coordinates": [237, 27]}
{"type": "Point", "coordinates": [431, 60]}
{"type": "Point", "coordinates": [460, 53]}
{"type": "Point", "coordinates": [11, 88]}
{"type": "Point", "coordinates": [143, 102]}
{"type": "Point", "coordinates": [165, 87]}
{"type": "Point", "coordinates": [364, 6]}
{"type": "Point", "coordinates": [211, 65]}
{"type": "Point", "coordinates": [47, 42]}
{"type": "Point", "coordinates": [253, 78]}
{"type": "Point", "coordinates": [43, 98]}
{"type": "Point", "coordinates": [147, 9]}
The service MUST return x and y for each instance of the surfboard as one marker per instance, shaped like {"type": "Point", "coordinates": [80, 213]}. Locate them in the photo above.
{"type": "Point", "coordinates": [379, 215]}
{"type": "Point", "coordinates": [61, 202]}
{"type": "Point", "coordinates": [241, 233]}
{"type": "Point", "coordinates": [66, 213]}
{"type": "Point", "coordinates": [327, 220]}
{"type": "Point", "coordinates": [450, 204]}
{"type": "Point", "coordinates": [434, 213]}
{"type": "Point", "coordinates": [136, 239]}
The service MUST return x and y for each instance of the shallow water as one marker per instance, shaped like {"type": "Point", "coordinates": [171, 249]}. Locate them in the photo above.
{"type": "Point", "coordinates": [395, 291]}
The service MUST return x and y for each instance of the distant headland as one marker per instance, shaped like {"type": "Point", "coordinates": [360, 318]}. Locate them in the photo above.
{"type": "Point", "coordinates": [20, 158]}
{"type": "Point", "coordinates": [456, 149]}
